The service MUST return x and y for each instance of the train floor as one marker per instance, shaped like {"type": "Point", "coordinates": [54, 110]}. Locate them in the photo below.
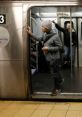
{"type": "Point", "coordinates": [42, 82]}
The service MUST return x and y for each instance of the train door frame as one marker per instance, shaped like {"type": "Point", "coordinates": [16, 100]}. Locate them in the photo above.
{"type": "Point", "coordinates": [79, 21]}
{"type": "Point", "coordinates": [61, 6]}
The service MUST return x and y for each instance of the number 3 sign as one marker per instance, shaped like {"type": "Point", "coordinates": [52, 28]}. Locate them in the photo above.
{"type": "Point", "coordinates": [2, 18]}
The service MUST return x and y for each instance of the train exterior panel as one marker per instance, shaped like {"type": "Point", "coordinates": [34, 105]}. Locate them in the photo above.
{"type": "Point", "coordinates": [15, 71]}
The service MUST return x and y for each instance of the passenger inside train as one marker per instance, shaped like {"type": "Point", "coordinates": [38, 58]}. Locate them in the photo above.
{"type": "Point", "coordinates": [69, 44]}
{"type": "Point", "coordinates": [51, 48]}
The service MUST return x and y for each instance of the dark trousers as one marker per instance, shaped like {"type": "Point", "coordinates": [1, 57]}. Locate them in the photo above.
{"type": "Point", "coordinates": [70, 54]}
{"type": "Point", "coordinates": [55, 74]}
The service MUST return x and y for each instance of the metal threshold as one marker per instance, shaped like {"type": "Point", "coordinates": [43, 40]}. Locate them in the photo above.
{"type": "Point", "coordinates": [47, 95]}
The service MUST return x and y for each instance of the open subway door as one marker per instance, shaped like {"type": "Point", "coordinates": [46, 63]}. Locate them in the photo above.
{"type": "Point", "coordinates": [41, 81]}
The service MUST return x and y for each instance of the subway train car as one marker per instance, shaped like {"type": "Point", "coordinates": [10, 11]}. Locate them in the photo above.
{"type": "Point", "coordinates": [23, 68]}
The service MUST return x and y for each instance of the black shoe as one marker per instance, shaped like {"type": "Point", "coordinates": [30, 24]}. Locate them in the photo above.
{"type": "Point", "coordinates": [62, 81]}
{"type": "Point", "coordinates": [56, 92]}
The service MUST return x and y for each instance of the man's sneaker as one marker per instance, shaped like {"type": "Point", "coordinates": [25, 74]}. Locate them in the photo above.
{"type": "Point", "coordinates": [56, 92]}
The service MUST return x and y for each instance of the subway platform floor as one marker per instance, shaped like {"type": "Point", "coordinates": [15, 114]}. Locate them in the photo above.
{"type": "Point", "coordinates": [40, 109]}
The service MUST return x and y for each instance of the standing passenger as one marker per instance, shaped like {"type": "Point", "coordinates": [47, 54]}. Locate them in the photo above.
{"type": "Point", "coordinates": [51, 49]}
{"type": "Point", "coordinates": [67, 31]}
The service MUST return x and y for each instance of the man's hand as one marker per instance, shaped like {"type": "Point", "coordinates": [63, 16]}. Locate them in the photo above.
{"type": "Point", "coordinates": [45, 49]}
{"type": "Point", "coordinates": [53, 21]}
{"type": "Point", "coordinates": [28, 30]}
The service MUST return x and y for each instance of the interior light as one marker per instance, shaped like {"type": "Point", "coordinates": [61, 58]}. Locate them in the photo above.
{"type": "Point", "coordinates": [49, 14]}
{"type": "Point", "coordinates": [37, 14]}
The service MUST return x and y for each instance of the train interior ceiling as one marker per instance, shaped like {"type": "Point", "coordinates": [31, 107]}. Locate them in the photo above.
{"type": "Point", "coordinates": [41, 81]}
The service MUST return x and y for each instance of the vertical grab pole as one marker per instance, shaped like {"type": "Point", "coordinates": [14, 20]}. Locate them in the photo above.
{"type": "Point", "coordinates": [71, 40]}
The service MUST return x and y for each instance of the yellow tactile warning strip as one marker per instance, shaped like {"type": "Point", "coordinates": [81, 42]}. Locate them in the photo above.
{"type": "Point", "coordinates": [40, 109]}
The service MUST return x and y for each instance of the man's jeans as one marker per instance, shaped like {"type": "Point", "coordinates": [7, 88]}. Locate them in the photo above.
{"type": "Point", "coordinates": [70, 54]}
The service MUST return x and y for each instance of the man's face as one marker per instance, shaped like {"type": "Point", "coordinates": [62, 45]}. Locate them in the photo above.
{"type": "Point", "coordinates": [68, 26]}
{"type": "Point", "coordinates": [44, 29]}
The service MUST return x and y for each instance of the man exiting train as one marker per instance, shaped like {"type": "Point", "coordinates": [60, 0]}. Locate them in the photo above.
{"type": "Point", "coordinates": [51, 49]}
